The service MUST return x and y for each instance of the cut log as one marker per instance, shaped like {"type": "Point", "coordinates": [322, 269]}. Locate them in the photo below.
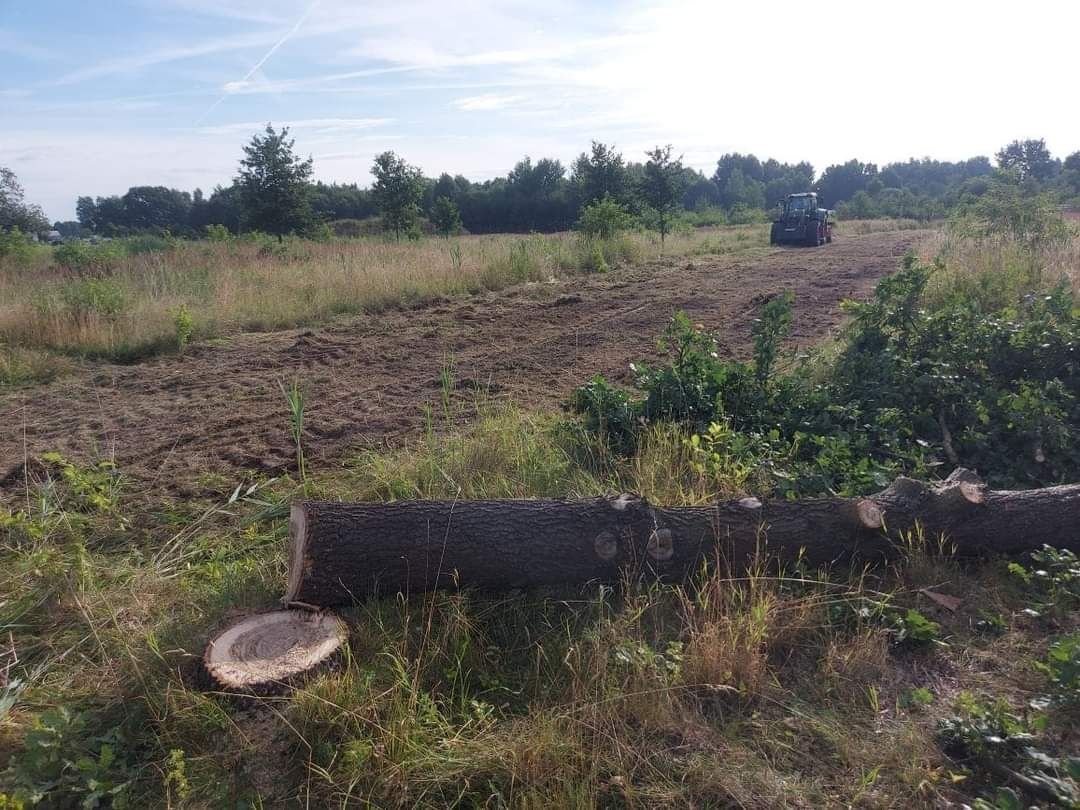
{"type": "Point", "coordinates": [341, 553]}
{"type": "Point", "coordinates": [266, 651]}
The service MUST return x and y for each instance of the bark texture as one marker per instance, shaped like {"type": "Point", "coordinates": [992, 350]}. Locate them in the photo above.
{"type": "Point", "coordinates": [346, 552]}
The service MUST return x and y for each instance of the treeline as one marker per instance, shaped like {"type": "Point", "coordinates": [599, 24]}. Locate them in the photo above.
{"type": "Point", "coordinates": [546, 196]}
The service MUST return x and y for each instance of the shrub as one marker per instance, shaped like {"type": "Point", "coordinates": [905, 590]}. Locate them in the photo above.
{"type": "Point", "coordinates": [604, 218]}
{"type": "Point", "coordinates": [87, 297]}
{"type": "Point", "coordinates": [596, 263]}
{"type": "Point", "coordinates": [89, 259]}
{"type": "Point", "coordinates": [185, 327]}
{"type": "Point", "coordinates": [218, 233]}
{"type": "Point", "coordinates": [16, 244]}
{"type": "Point", "coordinates": [911, 390]}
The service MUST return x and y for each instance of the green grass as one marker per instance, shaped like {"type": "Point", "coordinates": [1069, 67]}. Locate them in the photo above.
{"type": "Point", "coordinates": [760, 692]}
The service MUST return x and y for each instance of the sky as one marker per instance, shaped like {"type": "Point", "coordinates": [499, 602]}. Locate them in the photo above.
{"type": "Point", "coordinates": [100, 95]}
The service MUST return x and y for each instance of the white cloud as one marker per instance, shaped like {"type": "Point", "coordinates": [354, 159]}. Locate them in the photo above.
{"type": "Point", "coordinates": [160, 55]}
{"type": "Point", "coordinates": [319, 125]}
{"type": "Point", "coordinates": [488, 101]}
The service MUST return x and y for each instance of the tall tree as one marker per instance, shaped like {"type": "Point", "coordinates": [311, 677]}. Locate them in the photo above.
{"type": "Point", "coordinates": [274, 185]}
{"type": "Point", "coordinates": [445, 216]}
{"type": "Point", "coordinates": [15, 212]}
{"type": "Point", "coordinates": [600, 173]}
{"type": "Point", "coordinates": [662, 186]}
{"type": "Point", "coordinates": [1030, 159]}
{"type": "Point", "coordinates": [842, 180]}
{"type": "Point", "coordinates": [398, 190]}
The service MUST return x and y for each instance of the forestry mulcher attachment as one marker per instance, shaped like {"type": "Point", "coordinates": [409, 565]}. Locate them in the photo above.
{"type": "Point", "coordinates": [801, 222]}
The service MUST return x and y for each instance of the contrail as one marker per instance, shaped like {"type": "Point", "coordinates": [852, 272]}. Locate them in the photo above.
{"type": "Point", "coordinates": [261, 62]}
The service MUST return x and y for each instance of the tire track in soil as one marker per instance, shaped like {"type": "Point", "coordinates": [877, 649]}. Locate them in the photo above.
{"type": "Point", "coordinates": [220, 408]}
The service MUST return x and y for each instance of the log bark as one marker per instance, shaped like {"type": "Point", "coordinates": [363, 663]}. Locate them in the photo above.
{"type": "Point", "coordinates": [346, 552]}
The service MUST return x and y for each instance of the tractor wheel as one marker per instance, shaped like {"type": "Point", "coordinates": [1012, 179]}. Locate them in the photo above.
{"type": "Point", "coordinates": [828, 236]}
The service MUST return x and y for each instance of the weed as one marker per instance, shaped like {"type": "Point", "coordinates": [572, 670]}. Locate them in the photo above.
{"type": "Point", "coordinates": [1062, 667]}
{"type": "Point", "coordinates": [294, 398]}
{"type": "Point", "coordinates": [63, 765]}
{"type": "Point", "coordinates": [185, 327]}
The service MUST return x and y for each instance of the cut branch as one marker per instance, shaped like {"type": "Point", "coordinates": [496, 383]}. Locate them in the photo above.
{"type": "Point", "coordinates": [341, 553]}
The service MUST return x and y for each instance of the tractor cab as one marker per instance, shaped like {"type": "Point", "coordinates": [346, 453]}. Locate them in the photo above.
{"type": "Point", "coordinates": [801, 221]}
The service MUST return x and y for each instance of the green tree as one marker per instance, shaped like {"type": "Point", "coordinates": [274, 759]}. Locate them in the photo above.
{"type": "Point", "coordinates": [445, 216]}
{"type": "Point", "coordinates": [275, 185]}
{"type": "Point", "coordinates": [662, 187]}
{"type": "Point", "coordinates": [15, 212]}
{"type": "Point", "coordinates": [600, 173]}
{"type": "Point", "coordinates": [398, 190]}
{"type": "Point", "coordinates": [1030, 159]}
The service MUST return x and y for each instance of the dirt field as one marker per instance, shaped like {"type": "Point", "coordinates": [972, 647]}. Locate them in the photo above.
{"type": "Point", "coordinates": [220, 408]}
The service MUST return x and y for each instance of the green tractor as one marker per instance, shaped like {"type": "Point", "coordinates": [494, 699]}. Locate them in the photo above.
{"type": "Point", "coordinates": [801, 222]}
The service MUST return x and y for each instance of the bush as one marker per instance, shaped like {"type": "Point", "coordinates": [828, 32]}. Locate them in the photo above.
{"type": "Point", "coordinates": [604, 218]}
{"type": "Point", "coordinates": [87, 297]}
{"type": "Point", "coordinates": [218, 233]}
{"type": "Point", "coordinates": [911, 390]}
{"type": "Point", "coordinates": [16, 244]}
{"type": "Point", "coordinates": [89, 259]}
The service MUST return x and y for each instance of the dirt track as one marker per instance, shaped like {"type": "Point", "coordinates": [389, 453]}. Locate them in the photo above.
{"type": "Point", "coordinates": [220, 407]}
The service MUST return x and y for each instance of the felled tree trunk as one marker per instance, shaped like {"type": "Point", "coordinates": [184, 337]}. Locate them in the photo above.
{"type": "Point", "coordinates": [341, 553]}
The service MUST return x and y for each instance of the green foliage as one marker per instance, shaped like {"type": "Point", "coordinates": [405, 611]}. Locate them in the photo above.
{"type": "Point", "coordinates": [66, 763]}
{"type": "Point", "coordinates": [94, 488]}
{"type": "Point", "coordinates": [910, 389]}
{"type": "Point", "coordinates": [1062, 667]}
{"type": "Point", "coordinates": [1007, 211]}
{"type": "Point", "coordinates": [218, 233]}
{"type": "Point", "coordinates": [185, 327]}
{"type": "Point", "coordinates": [89, 297]}
{"type": "Point", "coordinates": [15, 244]}
{"type": "Point", "coordinates": [608, 411]}
{"type": "Point", "coordinates": [398, 190]}
{"type": "Point", "coordinates": [769, 330]}
{"type": "Point", "coordinates": [85, 258]}
{"type": "Point", "coordinates": [446, 217]}
{"type": "Point", "coordinates": [294, 397]}
{"type": "Point", "coordinates": [15, 212]}
{"type": "Point", "coordinates": [917, 697]}
{"type": "Point", "coordinates": [604, 218]}
{"type": "Point", "coordinates": [600, 173]}
{"type": "Point", "coordinates": [914, 629]}
{"type": "Point", "coordinates": [1053, 578]}
{"type": "Point", "coordinates": [990, 736]}
{"type": "Point", "coordinates": [274, 184]}
{"type": "Point", "coordinates": [596, 262]}
{"type": "Point", "coordinates": [661, 187]}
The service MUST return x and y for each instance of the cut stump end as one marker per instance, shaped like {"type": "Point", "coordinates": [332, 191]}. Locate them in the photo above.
{"type": "Point", "coordinates": [269, 649]}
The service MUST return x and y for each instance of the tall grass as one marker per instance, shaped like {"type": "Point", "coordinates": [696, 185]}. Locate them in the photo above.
{"type": "Point", "coordinates": [997, 273]}
{"type": "Point", "coordinates": [130, 309]}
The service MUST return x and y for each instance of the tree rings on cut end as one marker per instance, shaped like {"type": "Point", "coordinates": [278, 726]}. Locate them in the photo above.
{"type": "Point", "coordinates": [268, 649]}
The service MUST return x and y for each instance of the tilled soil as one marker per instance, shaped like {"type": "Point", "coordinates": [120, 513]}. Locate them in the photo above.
{"type": "Point", "coordinates": [221, 408]}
